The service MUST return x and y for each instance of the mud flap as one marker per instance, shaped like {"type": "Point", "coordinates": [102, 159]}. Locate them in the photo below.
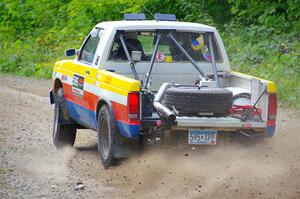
{"type": "Point", "coordinates": [270, 131]}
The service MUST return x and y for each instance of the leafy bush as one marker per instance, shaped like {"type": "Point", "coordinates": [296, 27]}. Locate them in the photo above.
{"type": "Point", "coordinates": [256, 51]}
{"type": "Point", "coordinates": [34, 35]}
{"type": "Point", "coordinates": [262, 37]}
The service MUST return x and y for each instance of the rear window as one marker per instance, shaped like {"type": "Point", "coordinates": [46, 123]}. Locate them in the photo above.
{"type": "Point", "coordinates": [195, 43]}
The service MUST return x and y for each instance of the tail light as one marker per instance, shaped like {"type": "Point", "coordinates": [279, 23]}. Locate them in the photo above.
{"type": "Point", "coordinates": [133, 106]}
{"type": "Point", "coordinates": [272, 109]}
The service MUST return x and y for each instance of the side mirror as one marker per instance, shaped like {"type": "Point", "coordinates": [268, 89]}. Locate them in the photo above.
{"type": "Point", "coordinates": [70, 52]}
{"type": "Point", "coordinates": [136, 56]}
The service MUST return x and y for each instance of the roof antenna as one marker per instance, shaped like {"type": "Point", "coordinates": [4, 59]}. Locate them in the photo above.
{"type": "Point", "coordinates": [149, 12]}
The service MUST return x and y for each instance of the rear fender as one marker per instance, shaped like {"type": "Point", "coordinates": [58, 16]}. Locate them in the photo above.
{"type": "Point", "coordinates": [105, 101]}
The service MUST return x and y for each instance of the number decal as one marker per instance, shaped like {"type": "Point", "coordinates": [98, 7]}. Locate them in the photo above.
{"type": "Point", "coordinates": [107, 79]}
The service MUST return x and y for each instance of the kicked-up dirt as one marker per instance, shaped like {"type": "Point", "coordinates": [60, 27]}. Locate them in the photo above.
{"type": "Point", "coordinates": [31, 167]}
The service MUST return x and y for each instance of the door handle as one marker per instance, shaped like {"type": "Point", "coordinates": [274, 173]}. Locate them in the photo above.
{"type": "Point", "coordinates": [87, 72]}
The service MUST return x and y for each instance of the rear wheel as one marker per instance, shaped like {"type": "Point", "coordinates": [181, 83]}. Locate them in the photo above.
{"type": "Point", "coordinates": [112, 146]}
{"type": "Point", "coordinates": [106, 131]}
{"type": "Point", "coordinates": [64, 129]}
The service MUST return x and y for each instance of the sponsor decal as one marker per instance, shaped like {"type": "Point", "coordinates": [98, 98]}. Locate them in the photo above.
{"type": "Point", "coordinates": [77, 85]}
{"type": "Point", "coordinates": [160, 56]}
{"type": "Point", "coordinates": [247, 125]}
{"type": "Point", "coordinates": [168, 59]}
{"type": "Point", "coordinates": [64, 78]}
{"type": "Point", "coordinates": [97, 60]}
{"type": "Point", "coordinates": [107, 79]}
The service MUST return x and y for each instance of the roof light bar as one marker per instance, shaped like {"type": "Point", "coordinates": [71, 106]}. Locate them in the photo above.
{"type": "Point", "coordinates": [164, 17]}
{"type": "Point", "coordinates": [134, 17]}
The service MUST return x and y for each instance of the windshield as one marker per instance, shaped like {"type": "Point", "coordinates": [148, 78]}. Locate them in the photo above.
{"type": "Point", "coordinates": [195, 43]}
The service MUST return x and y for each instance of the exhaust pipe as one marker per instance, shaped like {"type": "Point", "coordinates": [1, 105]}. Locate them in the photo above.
{"type": "Point", "coordinates": [164, 112]}
{"type": "Point", "coordinates": [161, 109]}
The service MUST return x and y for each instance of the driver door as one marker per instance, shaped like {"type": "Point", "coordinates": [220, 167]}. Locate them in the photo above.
{"type": "Point", "coordinates": [84, 68]}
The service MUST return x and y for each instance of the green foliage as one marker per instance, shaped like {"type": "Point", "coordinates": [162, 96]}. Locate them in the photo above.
{"type": "Point", "coordinates": [254, 50]}
{"type": "Point", "coordinates": [262, 38]}
{"type": "Point", "coordinates": [34, 35]}
{"type": "Point", "coordinates": [277, 15]}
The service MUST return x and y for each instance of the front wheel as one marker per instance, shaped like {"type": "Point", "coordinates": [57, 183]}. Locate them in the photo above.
{"type": "Point", "coordinates": [64, 131]}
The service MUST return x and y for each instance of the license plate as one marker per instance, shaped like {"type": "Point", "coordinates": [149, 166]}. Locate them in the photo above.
{"type": "Point", "coordinates": [205, 137]}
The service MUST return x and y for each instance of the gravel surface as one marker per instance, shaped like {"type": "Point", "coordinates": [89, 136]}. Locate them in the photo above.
{"type": "Point", "coordinates": [31, 167]}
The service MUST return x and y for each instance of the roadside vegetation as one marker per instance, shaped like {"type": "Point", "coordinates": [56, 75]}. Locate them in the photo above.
{"type": "Point", "coordinates": [262, 38]}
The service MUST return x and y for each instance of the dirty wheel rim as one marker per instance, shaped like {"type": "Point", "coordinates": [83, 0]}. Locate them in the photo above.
{"type": "Point", "coordinates": [104, 138]}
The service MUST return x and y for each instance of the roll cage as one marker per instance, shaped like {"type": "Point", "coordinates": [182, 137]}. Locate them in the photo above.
{"type": "Point", "coordinates": [168, 35]}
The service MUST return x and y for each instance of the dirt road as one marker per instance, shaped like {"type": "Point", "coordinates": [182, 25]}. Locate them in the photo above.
{"type": "Point", "coordinates": [30, 166]}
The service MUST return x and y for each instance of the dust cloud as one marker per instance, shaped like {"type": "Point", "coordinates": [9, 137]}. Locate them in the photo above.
{"type": "Point", "coordinates": [47, 166]}
{"type": "Point", "coordinates": [241, 168]}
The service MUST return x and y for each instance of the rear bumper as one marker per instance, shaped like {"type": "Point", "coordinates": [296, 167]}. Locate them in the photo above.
{"type": "Point", "coordinates": [217, 123]}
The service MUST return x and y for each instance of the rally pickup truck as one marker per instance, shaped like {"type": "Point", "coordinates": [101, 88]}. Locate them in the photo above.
{"type": "Point", "coordinates": [136, 79]}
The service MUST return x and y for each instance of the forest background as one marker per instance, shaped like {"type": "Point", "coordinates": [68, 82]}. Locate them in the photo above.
{"type": "Point", "coordinates": [262, 38]}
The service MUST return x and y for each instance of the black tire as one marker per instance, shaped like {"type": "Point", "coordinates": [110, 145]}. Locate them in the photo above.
{"type": "Point", "coordinates": [64, 129]}
{"type": "Point", "coordinates": [111, 145]}
{"type": "Point", "coordinates": [194, 101]}
{"type": "Point", "coordinates": [106, 131]}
